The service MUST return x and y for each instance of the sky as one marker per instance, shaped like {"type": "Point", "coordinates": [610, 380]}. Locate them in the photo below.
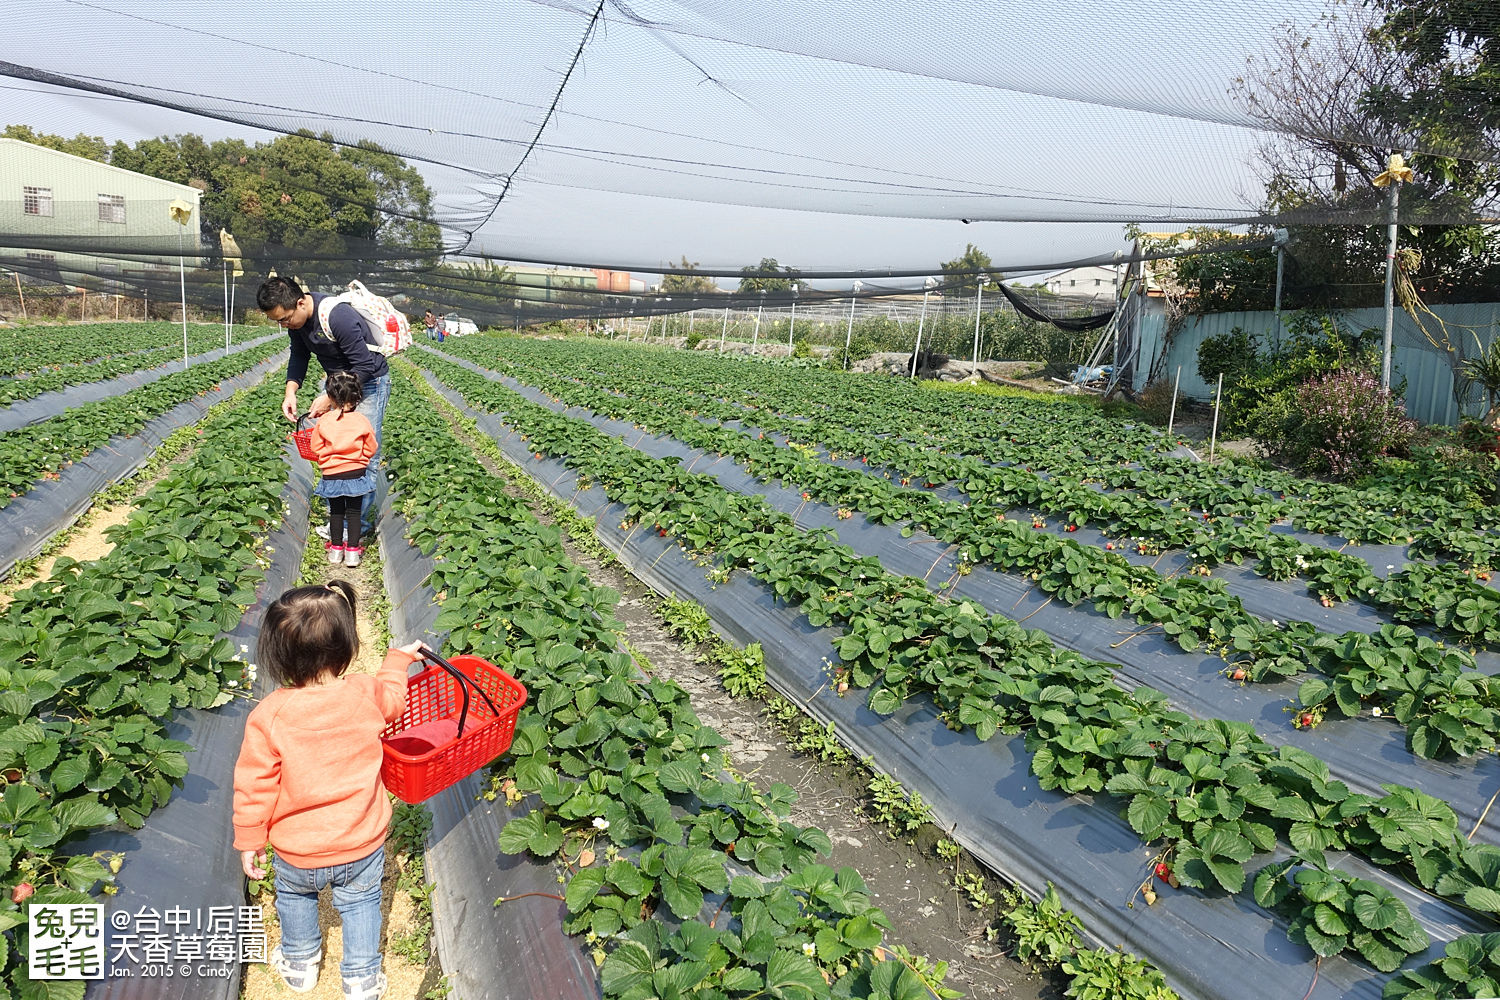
{"type": "Point", "coordinates": [827, 134]}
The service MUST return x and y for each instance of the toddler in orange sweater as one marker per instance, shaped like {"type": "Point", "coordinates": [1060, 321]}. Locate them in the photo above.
{"type": "Point", "coordinates": [344, 442]}
{"type": "Point", "coordinates": [308, 782]}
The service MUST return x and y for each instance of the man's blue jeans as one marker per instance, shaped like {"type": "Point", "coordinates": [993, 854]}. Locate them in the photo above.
{"type": "Point", "coordinates": [356, 897]}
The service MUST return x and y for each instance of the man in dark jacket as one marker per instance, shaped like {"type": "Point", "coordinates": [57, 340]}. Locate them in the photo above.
{"type": "Point", "coordinates": [344, 347]}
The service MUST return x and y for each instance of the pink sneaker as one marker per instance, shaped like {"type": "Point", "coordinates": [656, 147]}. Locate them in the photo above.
{"type": "Point", "coordinates": [335, 554]}
{"type": "Point", "coordinates": [352, 555]}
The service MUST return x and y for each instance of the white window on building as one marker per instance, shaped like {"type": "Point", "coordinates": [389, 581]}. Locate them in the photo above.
{"type": "Point", "coordinates": [112, 208]}
{"type": "Point", "coordinates": [36, 200]}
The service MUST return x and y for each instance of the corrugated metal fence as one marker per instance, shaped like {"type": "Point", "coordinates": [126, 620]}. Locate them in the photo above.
{"type": "Point", "coordinates": [1429, 380]}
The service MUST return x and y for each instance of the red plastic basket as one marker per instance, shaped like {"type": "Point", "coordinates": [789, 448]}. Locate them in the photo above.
{"type": "Point", "coordinates": [303, 437]}
{"type": "Point", "coordinates": [441, 737]}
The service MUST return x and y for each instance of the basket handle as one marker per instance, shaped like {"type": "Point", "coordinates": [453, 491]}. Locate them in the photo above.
{"type": "Point", "coordinates": [465, 682]}
{"type": "Point", "coordinates": [301, 417]}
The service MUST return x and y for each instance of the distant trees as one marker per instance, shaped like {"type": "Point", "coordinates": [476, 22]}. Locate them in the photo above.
{"type": "Point", "coordinates": [687, 284]}
{"type": "Point", "coordinates": [764, 277]}
{"type": "Point", "coordinates": [973, 260]}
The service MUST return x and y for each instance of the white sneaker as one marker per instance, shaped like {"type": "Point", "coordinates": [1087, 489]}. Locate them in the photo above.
{"type": "Point", "coordinates": [352, 556]}
{"type": "Point", "coordinates": [368, 988]}
{"type": "Point", "coordinates": [322, 531]}
{"type": "Point", "coordinates": [335, 554]}
{"type": "Point", "coordinates": [299, 976]}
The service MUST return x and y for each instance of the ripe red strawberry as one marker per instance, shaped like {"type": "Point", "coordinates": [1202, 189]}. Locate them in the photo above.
{"type": "Point", "coordinates": [1109, 546]}
{"type": "Point", "coordinates": [1238, 674]}
{"type": "Point", "coordinates": [1306, 719]}
{"type": "Point", "coordinates": [1162, 871]}
{"type": "Point", "coordinates": [22, 892]}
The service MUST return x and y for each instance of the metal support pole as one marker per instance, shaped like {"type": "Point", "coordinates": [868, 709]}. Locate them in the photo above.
{"type": "Point", "coordinates": [1280, 252]}
{"type": "Point", "coordinates": [849, 333]}
{"type": "Point", "coordinates": [921, 320]}
{"type": "Point", "coordinates": [755, 338]}
{"type": "Point", "coordinates": [1213, 440]}
{"type": "Point", "coordinates": [1172, 413]}
{"type": "Point", "coordinates": [22, 295]}
{"type": "Point", "coordinates": [83, 303]}
{"type": "Point", "coordinates": [978, 308]}
{"type": "Point", "coordinates": [182, 284]}
{"type": "Point", "coordinates": [1390, 284]}
{"type": "Point", "coordinates": [226, 305]}
{"type": "Point", "coordinates": [724, 331]}
{"type": "Point", "coordinates": [792, 329]}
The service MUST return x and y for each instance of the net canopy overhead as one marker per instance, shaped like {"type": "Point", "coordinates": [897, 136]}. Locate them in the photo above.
{"type": "Point", "coordinates": [624, 134]}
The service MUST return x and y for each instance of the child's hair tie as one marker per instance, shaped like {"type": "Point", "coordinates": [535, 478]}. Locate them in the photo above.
{"type": "Point", "coordinates": [336, 590]}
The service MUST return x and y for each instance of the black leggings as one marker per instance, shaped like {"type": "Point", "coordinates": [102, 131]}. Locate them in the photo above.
{"type": "Point", "coordinates": [343, 516]}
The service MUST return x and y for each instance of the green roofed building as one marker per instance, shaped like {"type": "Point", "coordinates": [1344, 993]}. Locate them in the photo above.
{"type": "Point", "coordinates": [57, 212]}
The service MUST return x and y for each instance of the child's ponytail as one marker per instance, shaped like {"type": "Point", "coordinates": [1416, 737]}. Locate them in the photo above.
{"type": "Point", "coordinates": [344, 390]}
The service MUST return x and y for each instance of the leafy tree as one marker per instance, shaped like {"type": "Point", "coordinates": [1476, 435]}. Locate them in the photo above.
{"type": "Point", "coordinates": [1449, 89]}
{"type": "Point", "coordinates": [90, 147]}
{"type": "Point", "coordinates": [1336, 99]}
{"type": "Point", "coordinates": [688, 284]}
{"type": "Point", "coordinates": [961, 275]}
{"type": "Point", "coordinates": [759, 278]}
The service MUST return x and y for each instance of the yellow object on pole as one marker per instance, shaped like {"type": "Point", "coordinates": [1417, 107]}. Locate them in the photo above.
{"type": "Point", "coordinates": [231, 253]}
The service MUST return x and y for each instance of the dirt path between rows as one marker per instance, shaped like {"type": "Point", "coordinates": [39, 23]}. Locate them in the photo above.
{"type": "Point", "coordinates": [406, 980]}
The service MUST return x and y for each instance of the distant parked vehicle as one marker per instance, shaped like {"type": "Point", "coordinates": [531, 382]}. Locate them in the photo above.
{"type": "Point", "coordinates": [456, 326]}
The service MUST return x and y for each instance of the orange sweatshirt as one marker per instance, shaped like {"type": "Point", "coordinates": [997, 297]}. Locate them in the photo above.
{"type": "Point", "coordinates": [343, 442]}
{"type": "Point", "coordinates": [308, 775]}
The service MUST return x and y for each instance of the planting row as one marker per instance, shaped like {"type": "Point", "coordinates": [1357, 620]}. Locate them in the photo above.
{"type": "Point", "coordinates": [37, 349]}
{"type": "Point", "coordinates": [1443, 597]}
{"type": "Point", "coordinates": [1434, 691]}
{"type": "Point", "coordinates": [202, 339]}
{"type": "Point", "coordinates": [1210, 794]}
{"type": "Point", "coordinates": [40, 450]}
{"type": "Point", "coordinates": [98, 656]}
{"type": "Point", "coordinates": [1438, 509]}
{"type": "Point", "coordinates": [627, 784]}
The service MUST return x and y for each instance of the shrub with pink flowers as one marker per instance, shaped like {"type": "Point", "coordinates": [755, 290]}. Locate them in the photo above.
{"type": "Point", "coordinates": [1342, 422]}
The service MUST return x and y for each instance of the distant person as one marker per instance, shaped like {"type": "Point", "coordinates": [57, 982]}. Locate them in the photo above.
{"type": "Point", "coordinates": [442, 330]}
{"type": "Point", "coordinates": [345, 347]}
{"type": "Point", "coordinates": [430, 321]}
{"type": "Point", "coordinates": [344, 443]}
{"type": "Point", "coordinates": [307, 782]}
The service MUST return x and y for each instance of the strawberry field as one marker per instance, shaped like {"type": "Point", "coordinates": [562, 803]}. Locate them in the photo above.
{"type": "Point", "coordinates": [1244, 723]}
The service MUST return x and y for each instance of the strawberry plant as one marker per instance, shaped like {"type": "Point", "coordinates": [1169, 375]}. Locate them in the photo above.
{"type": "Point", "coordinates": [1470, 967]}
{"type": "Point", "coordinates": [1046, 933]}
{"type": "Point", "coordinates": [96, 657]}
{"type": "Point", "coordinates": [1332, 911]}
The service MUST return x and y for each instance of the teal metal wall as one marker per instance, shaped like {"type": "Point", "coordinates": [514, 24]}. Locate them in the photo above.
{"type": "Point", "coordinates": [1429, 382]}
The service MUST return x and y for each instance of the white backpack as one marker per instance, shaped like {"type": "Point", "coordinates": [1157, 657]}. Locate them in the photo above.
{"type": "Point", "coordinates": [389, 330]}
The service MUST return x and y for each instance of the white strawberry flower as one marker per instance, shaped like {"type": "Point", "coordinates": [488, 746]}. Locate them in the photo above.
{"type": "Point", "coordinates": [600, 823]}
{"type": "Point", "coordinates": [809, 949]}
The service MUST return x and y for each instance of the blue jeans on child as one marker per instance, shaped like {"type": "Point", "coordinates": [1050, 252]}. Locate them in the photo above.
{"type": "Point", "coordinates": [356, 896]}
